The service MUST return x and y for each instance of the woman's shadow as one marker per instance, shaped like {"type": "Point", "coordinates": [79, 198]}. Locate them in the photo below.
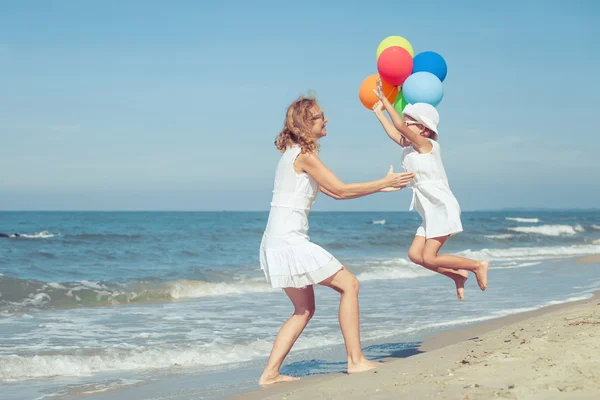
{"type": "Point", "coordinates": [376, 352]}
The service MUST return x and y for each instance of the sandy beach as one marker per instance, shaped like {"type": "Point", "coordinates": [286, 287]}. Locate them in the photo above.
{"type": "Point", "coordinates": [552, 353]}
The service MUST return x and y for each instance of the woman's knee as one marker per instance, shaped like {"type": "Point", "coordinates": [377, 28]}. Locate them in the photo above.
{"type": "Point", "coordinates": [342, 282]}
{"type": "Point", "coordinates": [352, 285]}
{"type": "Point", "coordinates": [306, 312]}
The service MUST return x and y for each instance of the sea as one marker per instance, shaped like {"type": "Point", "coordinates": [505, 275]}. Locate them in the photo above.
{"type": "Point", "coordinates": [94, 303]}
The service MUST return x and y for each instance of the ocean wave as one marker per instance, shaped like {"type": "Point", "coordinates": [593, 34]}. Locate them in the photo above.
{"type": "Point", "coordinates": [530, 220]}
{"type": "Point", "coordinates": [513, 264]}
{"type": "Point", "coordinates": [394, 273]}
{"type": "Point", "coordinates": [122, 236]}
{"type": "Point", "coordinates": [378, 222]}
{"type": "Point", "coordinates": [194, 289]}
{"type": "Point", "coordinates": [549, 230]}
{"type": "Point", "coordinates": [569, 300]}
{"type": "Point", "coordinates": [127, 357]}
{"type": "Point", "coordinates": [531, 253]}
{"type": "Point", "coordinates": [38, 235]}
{"type": "Point", "coordinates": [595, 227]}
{"type": "Point", "coordinates": [501, 237]}
{"type": "Point", "coordinates": [28, 293]}
{"type": "Point", "coordinates": [88, 362]}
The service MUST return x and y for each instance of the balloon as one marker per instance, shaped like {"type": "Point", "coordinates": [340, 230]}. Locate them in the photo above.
{"type": "Point", "coordinates": [400, 102]}
{"type": "Point", "coordinates": [429, 61]}
{"type": "Point", "coordinates": [367, 96]}
{"type": "Point", "coordinates": [394, 41]}
{"type": "Point", "coordinates": [395, 65]}
{"type": "Point", "coordinates": [423, 87]}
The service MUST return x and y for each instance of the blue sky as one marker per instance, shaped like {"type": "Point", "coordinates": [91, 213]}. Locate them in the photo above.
{"type": "Point", "coordinates": [153, 105]}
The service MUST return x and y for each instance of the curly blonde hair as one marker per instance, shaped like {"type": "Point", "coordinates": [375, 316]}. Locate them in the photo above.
{"type": "Point", "coordinates": [297, 126]}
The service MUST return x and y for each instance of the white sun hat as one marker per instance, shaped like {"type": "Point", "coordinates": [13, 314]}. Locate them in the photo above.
{"type": "Point", "coordinates": [424, 113]}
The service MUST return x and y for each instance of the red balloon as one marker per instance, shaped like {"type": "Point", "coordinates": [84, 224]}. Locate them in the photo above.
{"type": "Point", "coordinates": [395, 64]}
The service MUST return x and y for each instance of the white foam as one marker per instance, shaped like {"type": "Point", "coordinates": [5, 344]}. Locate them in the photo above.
{"type": "Point", "coordinates": [529, 264]}
{"type": "Point", "coordinates": [193, 289]}
{"type": "Point", "coordinates": [549, 230]}
{"type": "Point", "coordinates": [56, 285]}
{"type": "Point", "coordinates": [521, 265]}
{"type": "Point", "coordinates": [530, 220]}
{"type": "Point", "coordinates": [39, 299]}
{"type": "Point", "coordinates": [92, 285]}
{"type": "Point", "coordinates": [570, 299]}
{"type": "Point", "coordinates": [595, 227]}
{"type": "Point", "coordinates": [596, 241]}
{"type": "Point", "coordinates": [379, 222]}
{"type": "Point", "coordinates": [394, 273]}
{"type": "Point", "coordinates": [39, 235]}
{"type": "Point", "coordinates": [395, 268]}
{"type": "Point", "coordinates": [396, 262]}
{"type": "Point", "coordinates": [502, 236]}
{"type": "Point", "coordinates": [531, 253]}
{"type": "Point", "coordinates": [15, 367]}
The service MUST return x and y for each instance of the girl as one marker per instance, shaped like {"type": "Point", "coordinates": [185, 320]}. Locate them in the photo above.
{"type": "Point", "coordinates": [417, 133]}
{"type": "Point", "coordinates": [287, 256]}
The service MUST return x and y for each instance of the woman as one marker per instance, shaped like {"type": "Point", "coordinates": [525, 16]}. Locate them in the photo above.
{"type": "Point", "coordinates": [288, 258]}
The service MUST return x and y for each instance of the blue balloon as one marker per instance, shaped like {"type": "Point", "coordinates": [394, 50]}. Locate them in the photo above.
{"type": "Point", "coordinates": [423, 87]}
{"type": "Point", "coordinates": [429, 61]}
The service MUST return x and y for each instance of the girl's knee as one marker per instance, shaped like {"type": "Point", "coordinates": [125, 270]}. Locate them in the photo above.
{"type": "Point", "coordinates": [430, 260]}
{"type": "Point", "coordinates": [415, 257]}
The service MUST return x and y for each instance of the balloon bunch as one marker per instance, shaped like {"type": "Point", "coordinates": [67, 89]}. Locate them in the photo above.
{"type": "Point", "coordinates": [406, 78]}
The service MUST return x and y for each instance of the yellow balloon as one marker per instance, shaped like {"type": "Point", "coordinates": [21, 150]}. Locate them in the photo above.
{"type": "Point", "coordinates": [395, 41]}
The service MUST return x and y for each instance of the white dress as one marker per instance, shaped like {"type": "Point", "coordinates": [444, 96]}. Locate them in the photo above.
{"type": "Point", "coordinates": [287, 256]}
{"type": "Point", "coordinates": [432, 196]}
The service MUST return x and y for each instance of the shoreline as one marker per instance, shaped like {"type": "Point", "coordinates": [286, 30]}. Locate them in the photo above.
{"type": "Point", "coordinates": [434, 347]}
{"type": "Point", "coordinates": [424, 355]}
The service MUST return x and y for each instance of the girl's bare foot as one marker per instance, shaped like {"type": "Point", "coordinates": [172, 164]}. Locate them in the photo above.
{"type": "Point", "coordinates": [460, 277]}
{"type": "Point", "coordinates": [361, 366]}
{"type": "Point", "coordinates": [481, 274]}
{"type": "Point", "coordinates": [266, 380]}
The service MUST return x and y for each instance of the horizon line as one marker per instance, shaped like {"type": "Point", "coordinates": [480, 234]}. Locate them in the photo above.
{"type": "Point", "coordinates": [515, 209]}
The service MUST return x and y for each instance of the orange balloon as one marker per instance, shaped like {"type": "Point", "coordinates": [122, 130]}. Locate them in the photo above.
{"type": "Point", "coordinates": [367, 96]}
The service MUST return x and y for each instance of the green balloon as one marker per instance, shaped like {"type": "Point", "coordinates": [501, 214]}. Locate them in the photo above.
{"type": "Point", "coordinates": [400, 103]}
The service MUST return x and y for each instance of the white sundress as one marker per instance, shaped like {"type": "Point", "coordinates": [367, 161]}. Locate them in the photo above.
{"type": "Point", "coordinates": [432, 196]}
{"type": "Point", "coordinates": [287, 256]}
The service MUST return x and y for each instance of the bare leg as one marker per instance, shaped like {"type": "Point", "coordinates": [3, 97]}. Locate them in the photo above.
{"type": "Point", "coordinates": [346, 283]}
{"type": "Point", "coordinates": [304, 308]}
{"type": "Point", "coordinates": [432, 259]}
{"type": "Point", "coordinates": [415, 254]}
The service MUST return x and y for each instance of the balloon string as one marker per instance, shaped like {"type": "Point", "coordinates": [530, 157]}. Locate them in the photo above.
{"type": "Point", "coordinates": [393, 87]}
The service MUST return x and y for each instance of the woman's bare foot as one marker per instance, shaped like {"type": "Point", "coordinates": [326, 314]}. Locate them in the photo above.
{"type": "Point", "coordinates": [361, 366]}
{"type": "Point", "coordinates": [266, 380]}
{"type": "Point", "coordinates": [460, 277]}
{"type": "Point", "coordinates": [481, 274]}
